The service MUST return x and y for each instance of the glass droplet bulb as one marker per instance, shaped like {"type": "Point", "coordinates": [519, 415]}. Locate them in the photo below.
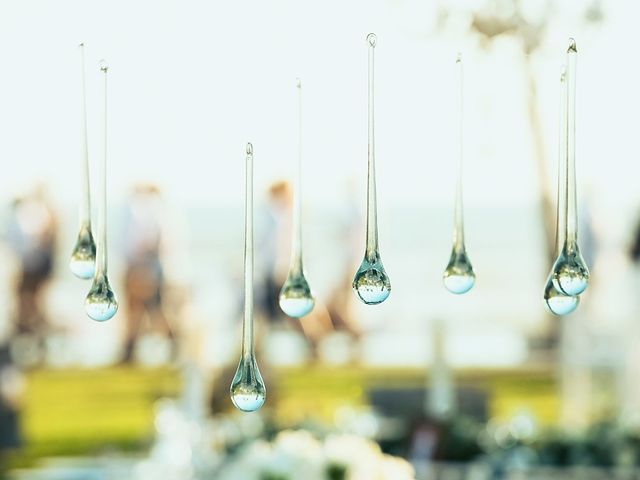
{"type": "Point", "coordinates": [459, 276]}
{"type": "Point", "coordinates": [101, 303]}
{"type": "Point", "coordinates": [248, 392]}
{"type": "Point", "coordinates": [557, 302]}
{"type": "Point", "coordinates": [83, 257]}
{"type": "Point", "coordinates": [569, 272]}
{"type": "Point", "coordinates": [371, 282]}
{"type": "Point", "coordinates": [296, 299]}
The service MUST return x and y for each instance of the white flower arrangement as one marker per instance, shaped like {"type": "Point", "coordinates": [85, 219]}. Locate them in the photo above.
{"type": "Point", "coordinates": [296, 453]}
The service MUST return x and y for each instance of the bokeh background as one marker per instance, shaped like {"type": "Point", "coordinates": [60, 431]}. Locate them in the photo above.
{"type": "Point", "coordinates": [482, 386]}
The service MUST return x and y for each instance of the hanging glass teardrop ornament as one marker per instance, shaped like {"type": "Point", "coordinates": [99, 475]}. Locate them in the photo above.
{"type": "Point", "coordinates": [100, 303]}
{"type": "Point", "coordinates": [248, 392]}
{"type": "Point", "coordinates": [296, 299]}
{"type": "Point", "coordinates": [569, 275]}
{"type": "Point", "coordinates": [570, 272]}
{"type": "Point", "coordinates": [557, 302]}
{"type": "Point", "coordinates": [458, 276]}
{"type": "Point", "coordinates": [555, 299]}
{"type": "Point", "coordinates": [83, 256]}
{"type": "Point", "coordinates": [371, 282]}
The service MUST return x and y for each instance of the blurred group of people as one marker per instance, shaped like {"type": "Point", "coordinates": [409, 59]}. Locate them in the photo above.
{"type": "Point", "coordinates": [31, 235]}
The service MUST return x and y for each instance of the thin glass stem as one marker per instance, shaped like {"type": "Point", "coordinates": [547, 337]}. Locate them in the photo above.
{"type": "Point", "coordinates": [84, 210]}
{"type": "Point", "coordinates": [296, 239]}
{"type": "Point", "coordinates": [458, 230]}
{"type": "Point", "coordinates": [372, 213]}
{"type": "Point", "coordinates": [101, 248]}
{"type": "Point", "coordinates": [561, 208]}
{"type": "Point", "coordinates": [571, 208]}
{"type": "Point", "coordinates": [247, 326]}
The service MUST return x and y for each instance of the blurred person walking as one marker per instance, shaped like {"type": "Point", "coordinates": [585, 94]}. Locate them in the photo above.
{"type": "Point", "coordinates": [31, 235]}
{"type": "Point", "coordinates": [273, 262]}
{"type": "Point", "coordinates": [273, 246]}
{"type": "Point", "coordinates": [144, 277]}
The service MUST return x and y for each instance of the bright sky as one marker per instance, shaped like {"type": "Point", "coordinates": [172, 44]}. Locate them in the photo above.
{"type": "Point", "coordinates": [191, 81]}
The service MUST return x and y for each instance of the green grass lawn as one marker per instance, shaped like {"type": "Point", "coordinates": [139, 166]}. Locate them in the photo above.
{"type": "Point", "coordinates": [83, 412]}
{"type": "Point", "coordinates": [76, 412]}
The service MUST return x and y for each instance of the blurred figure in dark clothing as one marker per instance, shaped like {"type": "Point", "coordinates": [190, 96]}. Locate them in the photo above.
{"type": "Point", "coordinates": [31, 234]}
{"type": "Point", "coordinates": [273, 256]}
{"type": "Point", "coordinates": [273, 247]}
{"type": "Point", "coordinates": [144, 277]}
{"type": "Point", "coordinates": [634, 251]}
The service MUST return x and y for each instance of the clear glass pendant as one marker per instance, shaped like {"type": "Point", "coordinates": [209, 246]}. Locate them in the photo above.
{"type": "Point", "coordinates": [248, 392]}
{"type": "Point", "coordinates": [100, 303]}
{"type": "Point", "coordinates": [371, 282]}
{"type": "Point", "coordinates": [83, 255]}
{"type": "Point", "coordinates": [296, 299]}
